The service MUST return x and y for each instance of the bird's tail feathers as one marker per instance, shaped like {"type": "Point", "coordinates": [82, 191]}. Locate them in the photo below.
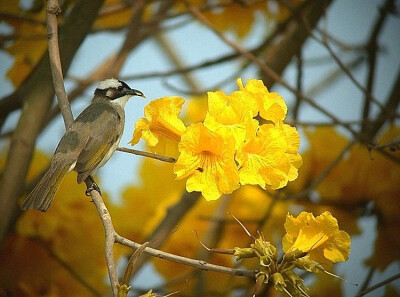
{"type": "Point", "coordinates": [43, 194]}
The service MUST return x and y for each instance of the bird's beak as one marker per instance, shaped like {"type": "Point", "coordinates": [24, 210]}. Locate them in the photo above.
{"type": "Point", "coordinates": [134, 92]}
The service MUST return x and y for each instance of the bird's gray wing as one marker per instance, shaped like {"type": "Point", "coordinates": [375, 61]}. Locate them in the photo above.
{"type": "Point", "coordinates": [103, 136]}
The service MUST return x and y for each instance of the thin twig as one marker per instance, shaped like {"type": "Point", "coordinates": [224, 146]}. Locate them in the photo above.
{"type": "Point", "coordinates": [372, 48]}
{"type": "Point", "coordinates": [299, 82]}
{"type": "Point", "coordinates": [333, 76]}
{"type": "Point", "coordinates": [342, 66]}
{"type": "Point", "coordinates": [147, 154]}
{"type": "Point", "coordinates": [367, 279]}
{"type": "Point", "coordinates": [380, 284]}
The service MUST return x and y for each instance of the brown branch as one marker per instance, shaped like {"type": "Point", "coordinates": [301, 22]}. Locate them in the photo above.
{"type": "Point", "coordinates": [133, 36]}
{"type": "Point", "coordinates": [211, 62]}
{"type": "Point", "coordinates": [372, 48]}
{"type": "Point", "coordinates": [333, 76]}
{"type": "Point", "coordinates": [53, 9]}
{"type": "Point", "coordinates": [299, 83]}
{"type": "Point", "coordinates": [323, 41]}
{"type": "Point", "coordinates": [199, 264]}
{"type": "Point", "coordinates": [393, 145]}
{"type": "Point", "coordinates": [183, 70]}
{"type": "Point", "coordinates": [288, 44]}
{"type": "Point", "coordinates": [389, 112]}
{"type": "Point", "coordinates": [380, 284]}
{"type": "Point", "coordinates": [110, 237]}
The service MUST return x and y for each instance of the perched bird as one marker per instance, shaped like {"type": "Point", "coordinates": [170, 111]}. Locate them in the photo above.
{"type": "Point", "coordinates": [88, 143]}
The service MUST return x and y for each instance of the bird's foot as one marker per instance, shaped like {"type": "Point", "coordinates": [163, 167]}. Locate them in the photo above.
{"type": "Point", "coordinates": [94, 187]}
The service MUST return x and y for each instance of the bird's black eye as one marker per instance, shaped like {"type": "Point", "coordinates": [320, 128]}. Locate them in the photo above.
{"type": "Point", "coordinates": [120, 88]}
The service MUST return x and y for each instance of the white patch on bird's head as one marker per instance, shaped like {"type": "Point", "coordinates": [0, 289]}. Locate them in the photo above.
{"type": "Point", "coordinates": [109, 83]}
{"type": "Point", "coordinates": [115, 92]}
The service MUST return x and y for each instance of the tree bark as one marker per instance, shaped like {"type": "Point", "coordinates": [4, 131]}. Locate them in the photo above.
{"type": "Point", "coordinates": [292, 39]}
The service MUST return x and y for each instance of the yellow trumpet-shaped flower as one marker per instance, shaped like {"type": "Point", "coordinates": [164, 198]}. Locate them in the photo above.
{"type": "Point", "coordinates": [230, 114]}
{"type": "Point", "coordinates": [207, 159]}
{"type": "Point", "coordinates": [161, 124]}
{"type": "Point", "coordinates": [270, 157]}
{"type": "Point", "coordinates": [319, 236]}
{"type": "Point", "coordinates": [271, 106]}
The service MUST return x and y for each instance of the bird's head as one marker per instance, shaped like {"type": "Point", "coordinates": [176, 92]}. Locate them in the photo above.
{"type": "Point", "coordinates": [116, 91]}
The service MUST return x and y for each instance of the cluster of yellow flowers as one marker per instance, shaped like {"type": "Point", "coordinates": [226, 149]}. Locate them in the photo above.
{"type": "Point", "coordinates": [310, 244]}
{"type": "Point", "coordinates": [242, 140]}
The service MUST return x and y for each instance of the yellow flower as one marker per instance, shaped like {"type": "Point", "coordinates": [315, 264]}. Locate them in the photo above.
{"type": "Point", "coordinates": [236, 17]}
{"type": "Point", "coordinates": [271, 106]}
{"type": "Point", "coordinates": [270, 157]}
{"type": "Point", "coordinates": [161, 124]}
{"type": "Point", "coordinates": [207, 158]}
{"type": "Point", "coordinates": [230, 114]}
{"type": "Point", "coordinates": [320, 237]}
{"type": "Point", "coordinates": [196, 109]}
{"type": "Point", "coordinates": [293, 144]}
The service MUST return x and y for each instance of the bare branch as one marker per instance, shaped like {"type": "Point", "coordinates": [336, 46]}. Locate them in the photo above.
{"type": "Point", "coordinates": [147, 154]}
{"type": "Point", "coordinates": [110, 236]}
{"type": "Point", "coordinates": [53, 9]}
{"type": "Point", "coordinates": [372, 48]}
{"type": "Point", "coordinates": [186, 261]}
{"type": "Point", "coordinates": [379, 285]}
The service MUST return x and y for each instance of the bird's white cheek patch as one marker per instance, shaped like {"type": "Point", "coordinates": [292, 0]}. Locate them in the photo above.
{"type": "Point", "coordinates": [110, 93]}
{"type": "Point", "coordinates": [121, 101]}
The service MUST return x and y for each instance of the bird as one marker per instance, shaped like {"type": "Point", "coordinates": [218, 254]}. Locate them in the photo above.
{"type": "Point", "coordinates": [88, 143]}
